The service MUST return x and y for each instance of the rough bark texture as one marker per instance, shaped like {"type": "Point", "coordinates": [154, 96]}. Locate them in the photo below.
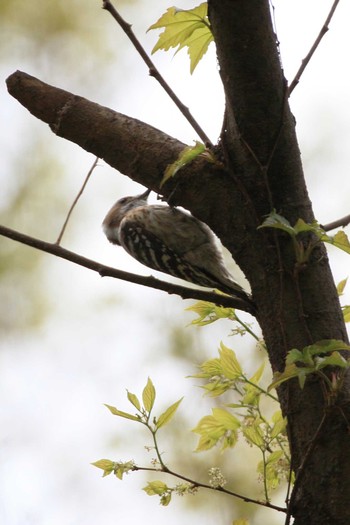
{"type": "Point", "coordinates": [262, 171]}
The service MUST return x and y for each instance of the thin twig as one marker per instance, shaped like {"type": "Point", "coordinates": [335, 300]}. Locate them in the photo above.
{"type": "Point", "coordinates": [59, 238]}
{"type": "Point", "coordinates": [107, 271]}
{"type": "Point", "coordinates": [153, 71]}
{"type": "Point", "coordinates": [315, 45]}
{"type": "Point", "coordinates": [339, 223]}
{"type": "Point", "coordinates": [217, 489]}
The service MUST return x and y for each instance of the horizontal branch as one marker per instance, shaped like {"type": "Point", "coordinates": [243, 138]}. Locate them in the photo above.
{"type": "Point", "coordinates": [108, 271]}
{"type": "Point", "coordinates": [210, 487]}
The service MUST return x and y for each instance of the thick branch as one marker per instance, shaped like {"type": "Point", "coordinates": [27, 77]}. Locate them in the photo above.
{"type": "Point", "coordinates": [107, 271]}
{"type": "Point", "coordinates": [136, 149]}
{"type": "Point", "coordinates": [141, 152]}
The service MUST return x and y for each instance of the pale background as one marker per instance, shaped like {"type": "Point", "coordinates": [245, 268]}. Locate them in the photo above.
{"type": "Point", "coordinates": [72, 341]}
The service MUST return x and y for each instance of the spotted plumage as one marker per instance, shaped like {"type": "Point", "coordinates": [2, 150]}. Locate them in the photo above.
{"type": "Point", "coordinates": [171, 241]}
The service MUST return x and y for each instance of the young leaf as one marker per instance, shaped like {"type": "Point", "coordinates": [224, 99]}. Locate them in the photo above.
{"type": "Point", "coordinates": [272, 469]}
{"type": "Point", "coordinates": [254, 434]}
{"type": "Point", "coordinates": [274, 220]}
{"type": "Point", "coordinates": [209, 313]}
{"type": "Point", "coordinates": [340, 240]}
{"type": "Point", "coordinates": [334, 359]}
{"type": "Point", "coordinates": [227, 420]}
{"type": "Point", "coordinates": [123, 468]}
{"type": "Point", "coordinates": [134, 400]}
{"type": "Point", "coordinates": [341, 286]}
{"type": "Point", "coordinates": [185, 28]}
{"type": "Point", "coordinates": [346, 313]}
{"type": "Point", "coordinates": [155, 488]}
{"type": "Point", "coordinates": [280, 424]}
{"type": "Point", "coordinates": [326, 346]}
{"type": "Point", "coordinates": [119, 413]}
{"type": "Point", "coordinates": [187, 155]}
{"type": "Point", "coordinates": [106, 465]}
{"type": "Point", "coordinates": [149, 395]}
{"type": "Point", "coordinates": [229, 362]}
{"type": "Point", "coordinates": [280, 377]}
{"type": "Point", "coordinates": [168, 414]}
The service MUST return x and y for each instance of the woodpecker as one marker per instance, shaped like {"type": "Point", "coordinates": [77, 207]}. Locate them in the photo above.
{"type": "Point", "coordinates": [170, 241]}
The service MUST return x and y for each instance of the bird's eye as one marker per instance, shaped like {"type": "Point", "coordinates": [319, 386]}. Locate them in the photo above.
{"type": "Point", "coordinates": [123, 200]}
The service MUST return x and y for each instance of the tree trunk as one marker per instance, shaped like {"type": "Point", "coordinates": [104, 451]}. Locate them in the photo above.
{"type": "Point", "coordinates": [262, 171]}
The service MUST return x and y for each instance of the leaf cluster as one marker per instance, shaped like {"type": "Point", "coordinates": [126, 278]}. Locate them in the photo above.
{"type": "Point", "coordinates": [313, 359]}
{"type": "Point", "coordinates": [302, 251]}
{"type": "Point", "coordinates": [222, 427]}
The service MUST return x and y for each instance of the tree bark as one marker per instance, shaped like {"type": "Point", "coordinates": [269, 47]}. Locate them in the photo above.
{"type": "Point", "coordinates": [261, 171]}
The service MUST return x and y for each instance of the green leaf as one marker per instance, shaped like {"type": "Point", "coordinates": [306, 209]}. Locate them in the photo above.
{"type": "Point", "coordinates": [123, 468]}
{"type": "Point", "coordinates": [334, 359]}
{"type": "Point", "coordinates": [134, 400]}
{"type": "Point", "coordinates": [149, 395]}
{"type": "Point", "coordinates": [274, 220]}
{"type": "Point", "coordinates": [187, 155]}
{"type": "Point", "coordinates": [229, 362]}
{"type": "Point", "coordinates": [341, 286]}
{"type": "Point", "coordinates": [346, 313]}
{"type": "Point", "coordinates": [155, 488]}
{"type": "Point", "coordinates": [209, 313]}
{"type": "Point", "coordinates": [251, 396]}
{"type": "Point", "coordinates": [106, 465]}
{"type": "Point", "coordinates": [273, 470]}
{"type": "Point", "coordinates": [119, 413]}
{"type": "Point", "coordinates": [301, 227]}
{"type": "Point", "coordinates": [326, 346]}
{"type": "Point", "coordinates": [294, 356]}
{"type": "Point", "coordinates": [254, 434]}
{"type": "Point", "coordinates": [210, 368]}
{"type": "Point", "coordinates": [280, 377]}
{"type": "Point", "coordinates": [280, 424]}
{"type": "Point", "coordinates": [224, 418]}
{"type": "Point", "coordinates": [185, 28]}
{"type": "Point", "coordinates": [340, 240]}
{"type": "Point", "coordinates": [166, 416]}
{"type": "Point", "coordinates": [221, 425]}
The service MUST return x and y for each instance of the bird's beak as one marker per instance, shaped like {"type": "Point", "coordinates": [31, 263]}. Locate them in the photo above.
{"type": "Point", "coordinates": [145, 194]}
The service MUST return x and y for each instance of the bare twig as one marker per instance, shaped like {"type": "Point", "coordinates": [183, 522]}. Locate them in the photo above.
{"type": "Point", "coordinates": [59, 238]}
{"type": "Point", "coordinates": [153, 71]}
{"type": "Point", "coordinates": [315, 45]}
{"type": "Point", "coordinates": [339, 223]}
{"type": "Point", "coordinates": [107, 271]}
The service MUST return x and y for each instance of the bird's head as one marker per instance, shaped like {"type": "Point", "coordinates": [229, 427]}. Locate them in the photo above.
{"type": "Point", "coordinates": [118, 211]}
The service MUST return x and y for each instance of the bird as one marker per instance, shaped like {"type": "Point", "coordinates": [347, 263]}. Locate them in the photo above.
{"type": "Point", "coordinates": [171, 241]}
